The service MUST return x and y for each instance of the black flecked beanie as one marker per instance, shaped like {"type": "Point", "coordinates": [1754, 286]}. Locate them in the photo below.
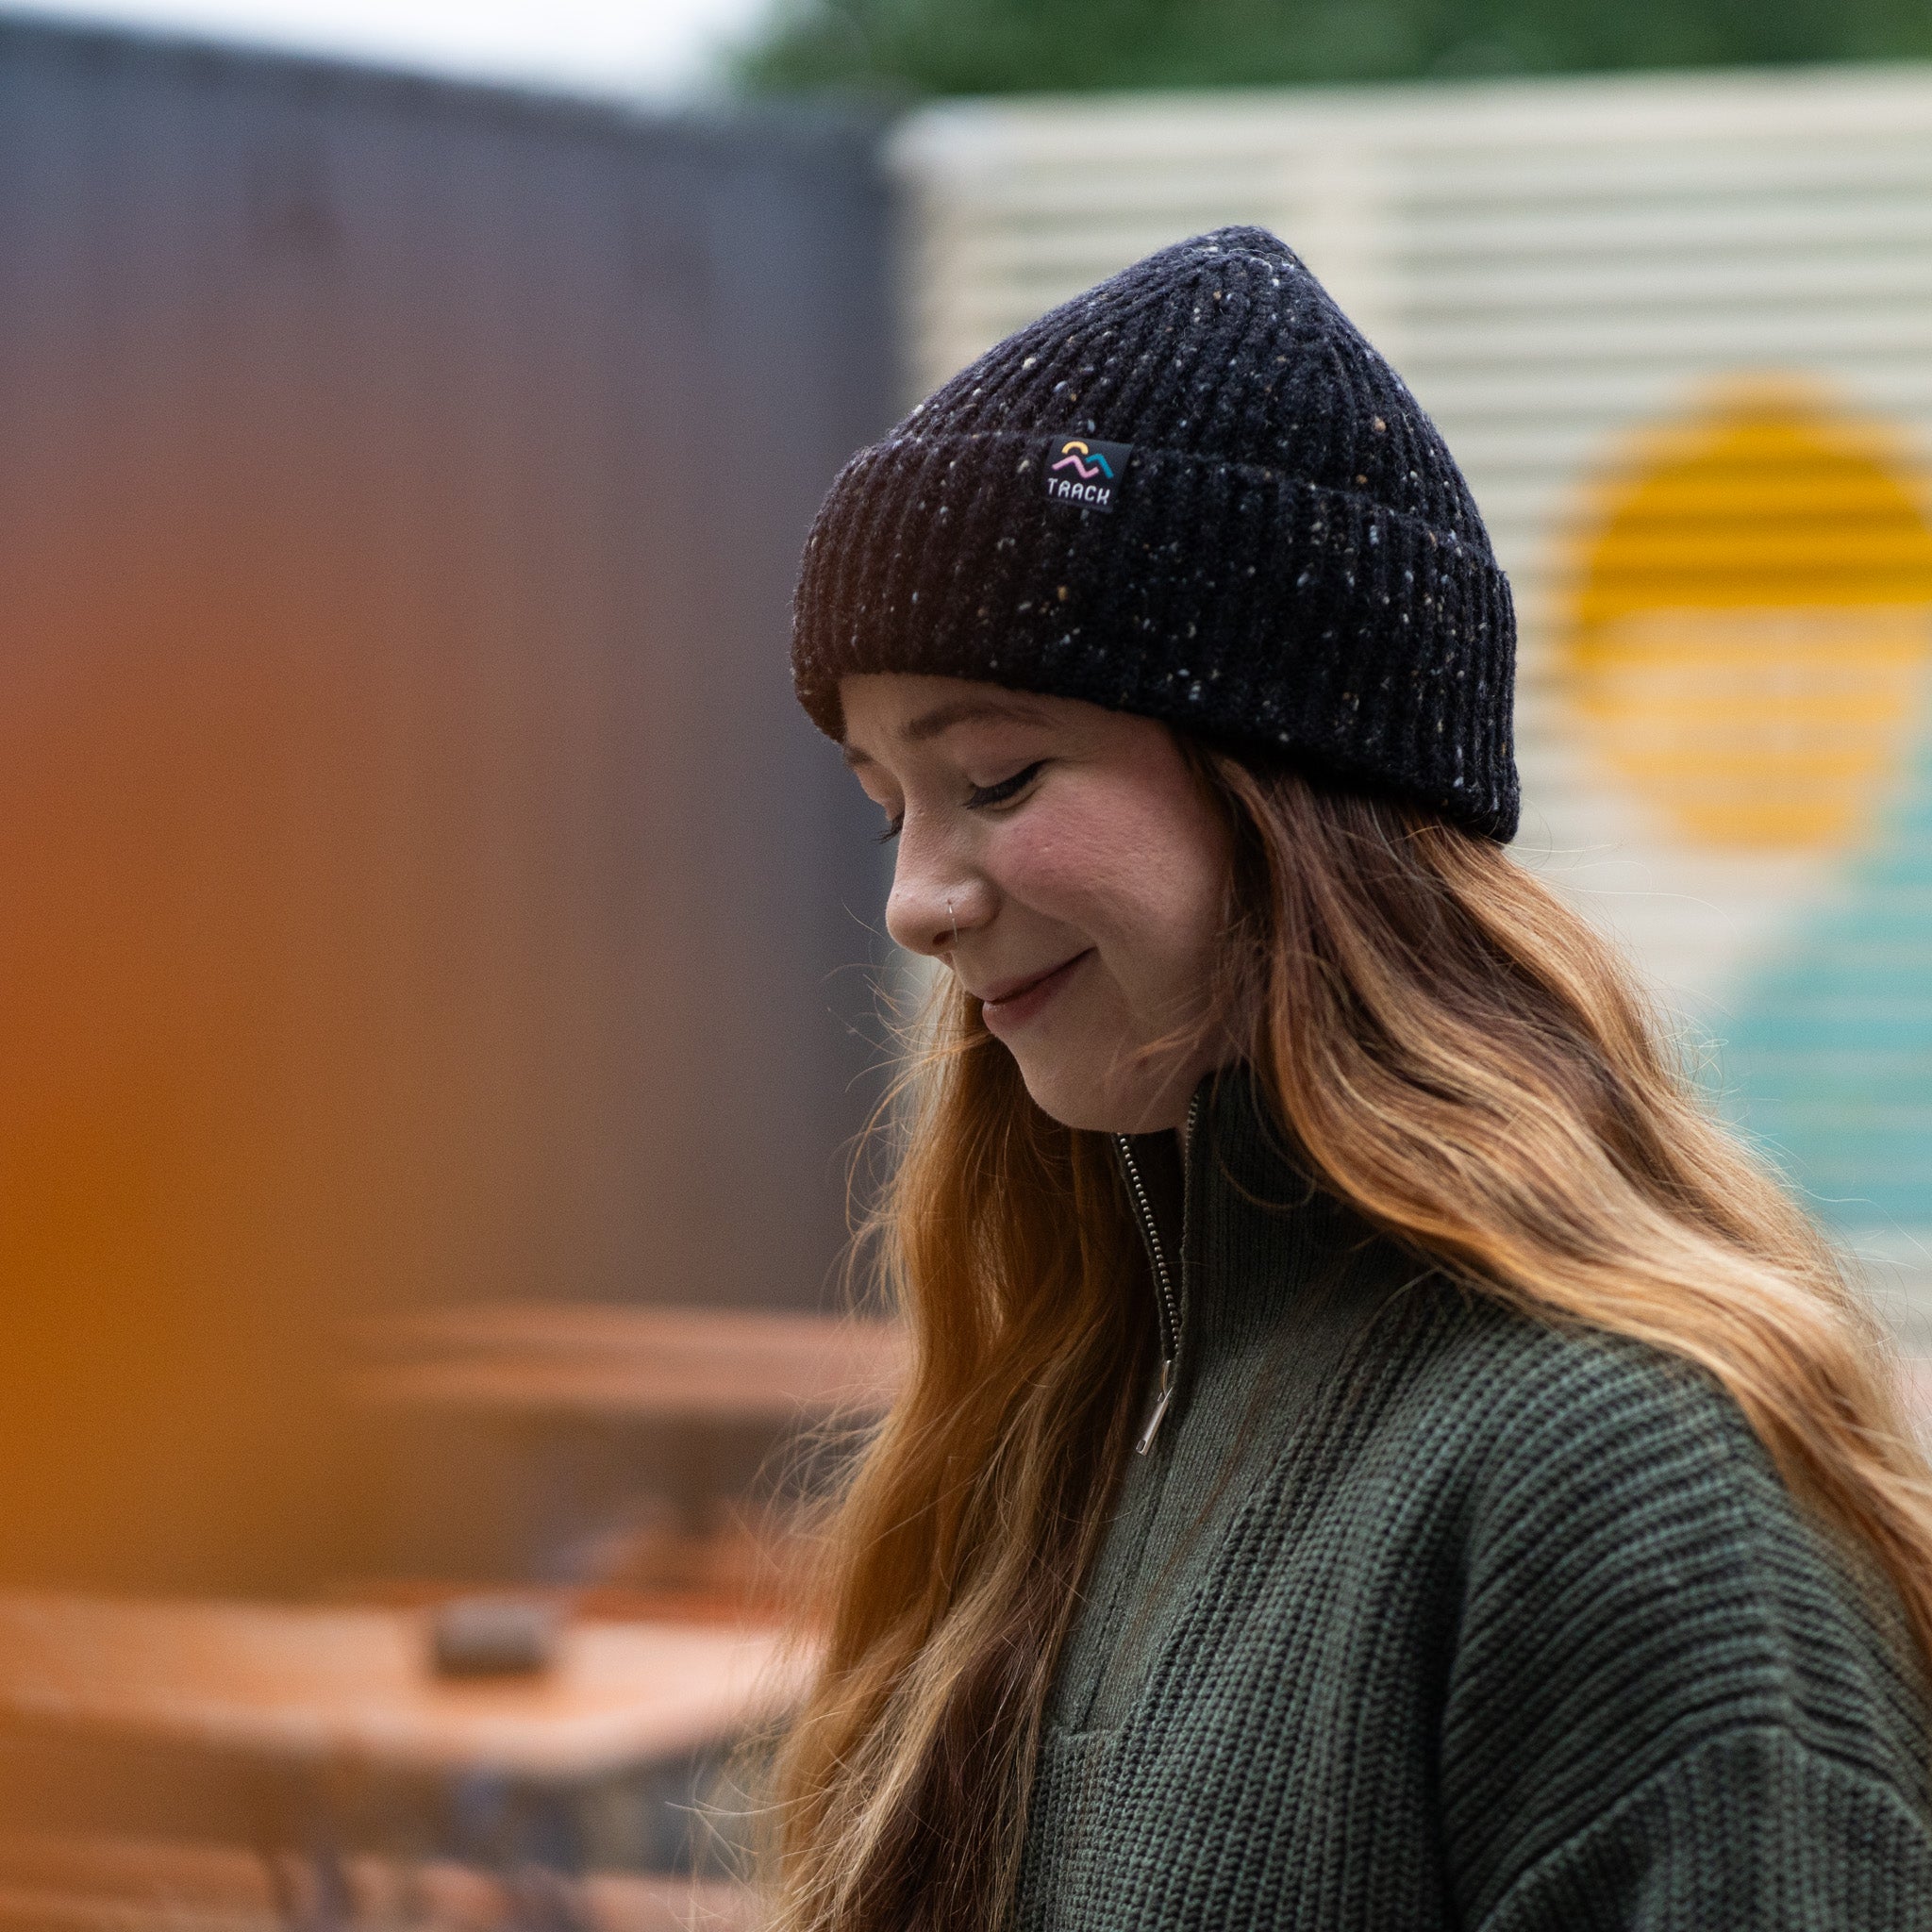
{"type": "Point", "coordinates": [1197, 493]}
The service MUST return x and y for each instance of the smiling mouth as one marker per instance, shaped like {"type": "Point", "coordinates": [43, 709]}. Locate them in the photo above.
{"type": "Point", "coordinates": [1030, 993]}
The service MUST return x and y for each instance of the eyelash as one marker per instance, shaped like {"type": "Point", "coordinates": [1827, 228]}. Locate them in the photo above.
{"type": "Point", "coordinates": [1005, 788]}
{"type": "Point", "coordinates": [983, 795]}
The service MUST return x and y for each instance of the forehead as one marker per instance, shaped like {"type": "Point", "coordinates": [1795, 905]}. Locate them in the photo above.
{"type": "Point", "coordinates": [884, 713]}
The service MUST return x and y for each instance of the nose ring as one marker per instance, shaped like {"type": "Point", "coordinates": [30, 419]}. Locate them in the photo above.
{"type": "Point", "coordinates": [953, 917]}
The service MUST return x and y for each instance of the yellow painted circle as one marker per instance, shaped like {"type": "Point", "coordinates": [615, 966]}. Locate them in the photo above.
{"type": "Point", "coordinates": [1752, 620]}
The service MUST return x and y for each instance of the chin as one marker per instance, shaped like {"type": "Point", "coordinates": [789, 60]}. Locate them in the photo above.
{"type": "Point", "coordinates": [1097, 1107]}
{"type": "Point", "coordinates": [1074, 1108]}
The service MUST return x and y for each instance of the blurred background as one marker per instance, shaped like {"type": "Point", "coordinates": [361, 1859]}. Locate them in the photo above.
{"type": "Point", "coordinates": [438, 964]}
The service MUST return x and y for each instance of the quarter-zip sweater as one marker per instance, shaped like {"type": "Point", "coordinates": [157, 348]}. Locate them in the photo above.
{"type": "Point", "coordinates": [1418, 1614]}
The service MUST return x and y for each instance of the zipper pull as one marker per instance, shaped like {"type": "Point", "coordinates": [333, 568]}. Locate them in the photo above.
{"type": "Point", "coordinates": [1162, 1396]}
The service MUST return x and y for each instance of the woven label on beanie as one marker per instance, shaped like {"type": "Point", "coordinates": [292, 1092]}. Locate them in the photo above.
{"type": "Point", "coordinates": [1078, 470]}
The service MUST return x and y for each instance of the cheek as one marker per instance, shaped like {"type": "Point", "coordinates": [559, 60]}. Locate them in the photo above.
{"type": "Point", "coordinates": [1141, 877]}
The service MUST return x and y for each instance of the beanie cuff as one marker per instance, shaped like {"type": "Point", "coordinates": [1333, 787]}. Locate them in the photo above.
{"type": "Point", "coordinates": [1238, 601]}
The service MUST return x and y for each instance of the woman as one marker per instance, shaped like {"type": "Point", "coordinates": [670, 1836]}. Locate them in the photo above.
{"type": "Point", "coordinates": [1377, 1455]}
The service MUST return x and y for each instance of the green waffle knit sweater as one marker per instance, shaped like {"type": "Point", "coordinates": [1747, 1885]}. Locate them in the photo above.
{"type": "Point", "coordinates": [1418, 1614]}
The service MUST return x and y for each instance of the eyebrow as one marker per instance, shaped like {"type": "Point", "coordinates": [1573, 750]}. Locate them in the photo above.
{"type": "Point", "coordinates": [942, 718]}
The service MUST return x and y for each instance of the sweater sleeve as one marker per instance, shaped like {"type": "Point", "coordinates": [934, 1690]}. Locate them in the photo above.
{"type": "Point", "coordinates": [1749, 1830]}
{"type": "Point", "coordinates": [1672, 1705]}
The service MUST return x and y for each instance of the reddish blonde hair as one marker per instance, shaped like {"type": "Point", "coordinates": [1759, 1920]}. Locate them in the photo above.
{"type": "Point", "coordinates": [1463, 1058]}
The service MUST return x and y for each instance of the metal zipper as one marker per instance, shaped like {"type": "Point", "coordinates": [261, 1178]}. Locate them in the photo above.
{"type": "Point", "coordinates": [1167, 1305]}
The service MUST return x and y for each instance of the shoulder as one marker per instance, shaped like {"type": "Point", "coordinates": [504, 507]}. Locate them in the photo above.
{"type": "Point", "coordinates": [1558, 1427]}
{"type": "Point", "coordinates": [1634, 1581]}
{"type": "Point", "coordinates": [1552, 1434]}
{"type": "Point", "coordinates": [1594, 1478]}
{"type": "Point", "coordinates": [1510, 1381]}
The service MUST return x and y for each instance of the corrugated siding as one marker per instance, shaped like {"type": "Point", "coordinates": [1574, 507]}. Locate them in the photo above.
{"type": "Point", "coordinates": [1568, 272]}
{"type": "Point", "coordinates": [419, 883]}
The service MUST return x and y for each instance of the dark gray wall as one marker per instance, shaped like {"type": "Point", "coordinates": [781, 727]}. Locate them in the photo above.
{"type": "Point", "coordinates": [416, 880]}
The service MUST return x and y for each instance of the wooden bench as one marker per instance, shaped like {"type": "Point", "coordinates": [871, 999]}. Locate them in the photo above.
{"type": "Point", "coordinates": [73, 1882]}
{"type": "Point", "coordinates": [605, 1362]}
{"type": "Point", "coordinates": [309, 1685]}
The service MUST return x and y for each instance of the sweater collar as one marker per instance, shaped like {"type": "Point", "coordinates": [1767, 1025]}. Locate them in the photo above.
{"type": "Point", "coordinates": [1238, 1233]}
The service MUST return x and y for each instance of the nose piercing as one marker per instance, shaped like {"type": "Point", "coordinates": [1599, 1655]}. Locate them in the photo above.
{"type": "Point", "coordinates": [953, 917]}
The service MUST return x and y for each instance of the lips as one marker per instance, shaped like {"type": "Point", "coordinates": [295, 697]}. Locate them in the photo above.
{"type": "Point", "coordinates": [1011, 1001]}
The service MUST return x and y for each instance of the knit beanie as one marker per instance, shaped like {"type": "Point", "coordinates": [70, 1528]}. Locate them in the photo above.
{"type": "Point", "coordinates": [1194, 492]}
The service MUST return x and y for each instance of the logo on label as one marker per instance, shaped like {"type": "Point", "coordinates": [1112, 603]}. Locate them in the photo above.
{"type": "Point", "coordinates": [1084, 471]}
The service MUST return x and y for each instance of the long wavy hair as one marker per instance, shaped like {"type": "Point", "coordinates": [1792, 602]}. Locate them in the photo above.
{"type": "Point", "coordinates": [1457, 1053]}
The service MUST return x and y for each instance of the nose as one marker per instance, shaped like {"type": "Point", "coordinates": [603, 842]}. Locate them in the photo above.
{"type": "Point", "coordinates": [934, 904]}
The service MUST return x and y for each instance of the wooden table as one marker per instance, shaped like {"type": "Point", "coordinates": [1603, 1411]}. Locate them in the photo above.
{"type": "Point", "coordinates": [604, 1361]}
{"type": "Point", "coordinates": [68, 1882]}
{"type": "Point", "coordinates": [340, 1725]}
{"type": "Point", "coordinates": [321, 1684]}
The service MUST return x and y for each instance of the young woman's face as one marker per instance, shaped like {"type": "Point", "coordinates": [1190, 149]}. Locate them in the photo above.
{"type": "Point", "coordinates": [1064, 863]}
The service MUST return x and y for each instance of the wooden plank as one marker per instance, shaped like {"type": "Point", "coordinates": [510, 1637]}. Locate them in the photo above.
{"type": "Point", "coordinates": [301, 1684]}
{"type": "Point", "coordinates": [81, 1882]}
{"type": "Point", "coordinates": [630, 1363]}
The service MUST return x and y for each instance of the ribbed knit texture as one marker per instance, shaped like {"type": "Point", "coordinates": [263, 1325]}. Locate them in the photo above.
{"type": "Point", "coordinates": [1291, 562]}
{"type": "Point", "coordinates": [1421, 1615]}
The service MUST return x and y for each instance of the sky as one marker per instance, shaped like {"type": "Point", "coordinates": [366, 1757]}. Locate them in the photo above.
{"type": "Point", "coordinates": [652, 47]}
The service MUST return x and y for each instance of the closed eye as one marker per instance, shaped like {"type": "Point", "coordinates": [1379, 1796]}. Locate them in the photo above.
{"type": "Point", "coordinates": [1007, 787]}
{"type": "Point", "coordinates": [982, 795]}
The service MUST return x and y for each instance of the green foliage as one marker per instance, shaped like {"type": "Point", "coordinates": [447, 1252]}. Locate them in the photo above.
{"type": "Point", "coordinates": [921, 47]}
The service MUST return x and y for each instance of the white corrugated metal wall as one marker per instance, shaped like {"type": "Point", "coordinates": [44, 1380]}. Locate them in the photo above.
{"type": "Point", "coordinates": [1563, 270]}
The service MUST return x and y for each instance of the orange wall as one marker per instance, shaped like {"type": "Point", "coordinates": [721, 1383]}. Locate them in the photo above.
{"type": "Point", "coordinates": [416, 881]}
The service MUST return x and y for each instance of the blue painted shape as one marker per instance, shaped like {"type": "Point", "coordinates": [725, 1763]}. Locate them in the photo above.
{"type": "Point", "coordinates": [1828, 1061]}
